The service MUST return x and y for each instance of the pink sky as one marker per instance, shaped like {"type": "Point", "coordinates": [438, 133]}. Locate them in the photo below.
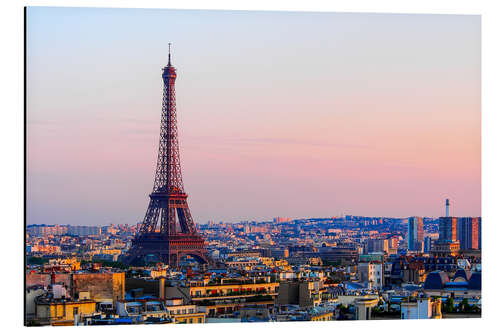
{"type": "Point", "coordinates": [374, 115]}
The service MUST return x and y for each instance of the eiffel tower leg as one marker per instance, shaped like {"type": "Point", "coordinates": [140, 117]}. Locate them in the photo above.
{"type": "Point", "coordinates": [151, 217]}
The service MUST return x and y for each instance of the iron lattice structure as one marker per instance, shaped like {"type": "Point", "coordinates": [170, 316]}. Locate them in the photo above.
{"type": "Point", "coordinates": [168, 231]}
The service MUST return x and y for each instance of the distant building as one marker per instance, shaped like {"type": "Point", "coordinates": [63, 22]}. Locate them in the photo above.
{"type": "Point", "coordinates": [154, 287]}
{"type": "Point", "coordinates": [54, 310]}
{"type": "Point", "coordinates": [255, 314]}
{"type": "Point", "coordinates": [427, 244]}
{"type": "Point", "coordinates": [279, 253]}
{"type": "Point", "coordinates": [142, 308]}
{"type": "Point", "coordinates": [334, 254]}
{"type": "Point", "coordinates": [83, 230]}
{"type": "Point", "coordinates": [31, 294]}
{"type": "Point", "coordinates": [377, 245]}
{"type": "Point", "coordinates": [415, 233]}
{"type": "Point", "coordinates": [364, 307]}
{"type": "Point", "coordinates": [371, 274]}
{"type": "Point", "coordinates": [447, 244]}
{"type": "Point", "coordinates": [184, 313]}
{"type": "Point", "coordinates": [445, 249]}
{"type": "Point", "coordinates": [447, 229]}
{"type": "Point", "coordinates": [227, 297]}
{"type": "Point", "coordinates": [46, 279]}
{"type": "Point", "coordinates": [41, 230]}
{"type": "Point", "coordinates": [421, 308]}
{"type": "Point", "coordinates": [468, 232]}
{"type": "Point", "coordinates": [465, 284]}
{"type": "Point", "coordinates": [280, 219]}
{"type": "Point", "coordinates": [103, 287]}
{"type": "Point", "coordinates": [480, 234]}
{"type": "Point", "coordinates": [301, 293]}
{"type": "Point", "coordinates": [393, 242]}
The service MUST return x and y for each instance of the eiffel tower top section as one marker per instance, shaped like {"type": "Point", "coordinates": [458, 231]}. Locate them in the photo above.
{"type": "Point", "coordinates": [168, 178]}
{"type": "Point", "coordinates": [169, 71]}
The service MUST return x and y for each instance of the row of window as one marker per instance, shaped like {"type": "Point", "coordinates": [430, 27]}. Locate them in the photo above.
{"type": "Point", "coordinates": [181, 311]}
{"type": "Point", "coordinates": [192, 320]}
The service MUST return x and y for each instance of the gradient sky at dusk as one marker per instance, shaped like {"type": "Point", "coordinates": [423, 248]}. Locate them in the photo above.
{"type": "Point", "coordinates": [280, 113]}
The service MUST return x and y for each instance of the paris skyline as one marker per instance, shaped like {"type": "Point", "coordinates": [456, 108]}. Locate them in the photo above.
{"type": "Point", "coordinates": [280, 114]}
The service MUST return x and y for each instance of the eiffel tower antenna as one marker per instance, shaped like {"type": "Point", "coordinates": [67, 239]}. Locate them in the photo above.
{"type": "Point", "coordinates": [169, 64]}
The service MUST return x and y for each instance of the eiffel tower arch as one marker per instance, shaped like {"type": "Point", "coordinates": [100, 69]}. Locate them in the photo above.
{"type": "Point", "coordinates": [168, 231]}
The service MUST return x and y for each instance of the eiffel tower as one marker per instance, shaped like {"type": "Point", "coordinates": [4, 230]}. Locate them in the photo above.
{"type": "Point", "coordinates": [168, 232]}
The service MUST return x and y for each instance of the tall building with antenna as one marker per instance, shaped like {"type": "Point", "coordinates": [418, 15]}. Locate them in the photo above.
{"type": "Point", "coordinates": [448, 243]}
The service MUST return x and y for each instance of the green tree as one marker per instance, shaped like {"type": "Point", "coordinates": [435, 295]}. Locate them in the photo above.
{"type": "Point", "coordinates": [448, 306]}
{"type": "Point", "coordinates": [464, 306]}
{"type": "Point", "coordinates": [37, 261]}
{"type": "Point", "coordinates": [343, 309]}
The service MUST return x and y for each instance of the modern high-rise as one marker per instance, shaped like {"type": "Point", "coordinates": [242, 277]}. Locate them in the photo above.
{"type": "Point", "coordinates": [480, 234]}
{"type": "Point", "coordinates": [468, 232]}
{"type": "Point", "coordinates": [415, 233]}
{"type": "Point", "coordinates": [447, 244]}
{"type": "Point", "coordinates": [447, 229]}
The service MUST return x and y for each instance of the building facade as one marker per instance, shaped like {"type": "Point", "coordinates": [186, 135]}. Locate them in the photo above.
{"type": "Point", "coordinates": [415, 233]}
{"type": "Point", "coordinates": [421, 308]}
{"type": "Point", "coordinates": [468, 232]}
{"type": "Point", "coordinates": [447, 229]}
{"type": "Point", "coordinates": [371, 274]}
